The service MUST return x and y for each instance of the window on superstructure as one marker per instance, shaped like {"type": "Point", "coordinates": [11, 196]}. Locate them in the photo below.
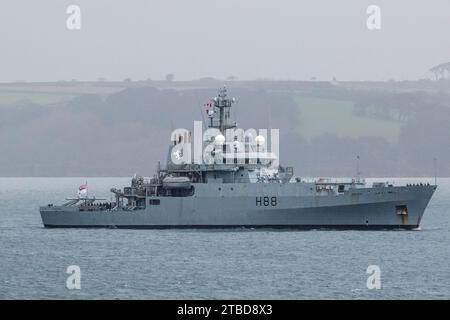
{"type": "Point", "coordinates": [154, 202]}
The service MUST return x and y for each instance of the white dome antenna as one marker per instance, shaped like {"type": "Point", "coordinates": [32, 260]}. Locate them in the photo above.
{"type": "Point", "coordinates": [260, 140]}
{"type": "Point", "coordinates": [219, 140]}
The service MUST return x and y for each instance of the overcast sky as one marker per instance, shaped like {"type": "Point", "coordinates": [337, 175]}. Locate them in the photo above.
{"type": "Point", "coordinates": [282, 39]}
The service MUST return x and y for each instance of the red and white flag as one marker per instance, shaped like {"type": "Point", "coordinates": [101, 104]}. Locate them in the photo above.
{"type": "Point", "coordinates": [209, 108]}
{"type": "Point", "coordinates": [82, 190]}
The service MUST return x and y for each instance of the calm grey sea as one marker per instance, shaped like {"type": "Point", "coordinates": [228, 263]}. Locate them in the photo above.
{"type": "Point", "coordinates": [212, 264]}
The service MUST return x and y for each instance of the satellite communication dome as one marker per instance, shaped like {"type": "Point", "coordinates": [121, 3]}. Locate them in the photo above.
{"type": "Point", "coordinates": [260, 140]}
{"type": "Point", "coordinates": [219, 140]}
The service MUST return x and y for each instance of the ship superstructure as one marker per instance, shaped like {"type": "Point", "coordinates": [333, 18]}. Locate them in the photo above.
{"type": "Point", "coordinates": [237, 181]}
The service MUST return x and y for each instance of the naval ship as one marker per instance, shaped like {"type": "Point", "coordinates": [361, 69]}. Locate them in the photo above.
{"type": "Point", "coordinates": [235, 183]}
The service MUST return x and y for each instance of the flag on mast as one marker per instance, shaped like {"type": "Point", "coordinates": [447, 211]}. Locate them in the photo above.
{"type": "Point", "coordinates": [82, 191]}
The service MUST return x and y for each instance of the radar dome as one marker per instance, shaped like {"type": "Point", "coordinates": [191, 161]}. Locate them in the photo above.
{"type": "Point", "coordinates": [219, 140]}
{"type": "Point", "coordinates": [260, 140]}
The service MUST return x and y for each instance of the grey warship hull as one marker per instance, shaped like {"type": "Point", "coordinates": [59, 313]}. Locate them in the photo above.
{"type": "Point", "coordinates": [291, 205]}
{"type": "Point", "coordinates": [216, 182]}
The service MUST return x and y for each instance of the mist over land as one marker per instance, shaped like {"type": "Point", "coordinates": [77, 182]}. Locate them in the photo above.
{"type": "Point", "coordinates": [101, 120]}
{"type": "Point", "coordinates": [121, 128]}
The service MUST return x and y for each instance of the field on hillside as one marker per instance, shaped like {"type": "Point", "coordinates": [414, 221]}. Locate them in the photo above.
{"type": "Point", "coordinates": [8, 98]}
{"type": "Point", "coordinates": [320, 116]}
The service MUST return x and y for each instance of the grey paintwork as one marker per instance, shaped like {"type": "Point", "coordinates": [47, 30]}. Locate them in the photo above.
{"type": "Point", "coordinates": [232, 194]}
{"type": "Point", "coordinates": [355, 208]}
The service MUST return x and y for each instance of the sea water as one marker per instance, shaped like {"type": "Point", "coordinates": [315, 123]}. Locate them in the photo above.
{"type": "Point", "coordinates": [213, 264]}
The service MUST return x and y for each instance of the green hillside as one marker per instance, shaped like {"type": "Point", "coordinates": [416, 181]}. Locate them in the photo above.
{"type": "Point", "coordinates": [7, 98]}
{"type": "Point", "coordinates": [320, 116]}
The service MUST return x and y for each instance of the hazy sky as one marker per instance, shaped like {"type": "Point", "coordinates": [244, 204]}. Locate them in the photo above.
{"type": "Point", "coordinates": [282, 39]}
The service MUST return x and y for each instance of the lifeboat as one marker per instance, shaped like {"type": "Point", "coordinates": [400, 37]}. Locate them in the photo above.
{"type": "Point", "coordinates": [176, 183]}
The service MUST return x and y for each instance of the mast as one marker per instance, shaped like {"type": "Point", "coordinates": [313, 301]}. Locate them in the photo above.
{"type": "Point", "coordinates": [222, 106]}
{"type": "Point", "coordinates": [435, 171]}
